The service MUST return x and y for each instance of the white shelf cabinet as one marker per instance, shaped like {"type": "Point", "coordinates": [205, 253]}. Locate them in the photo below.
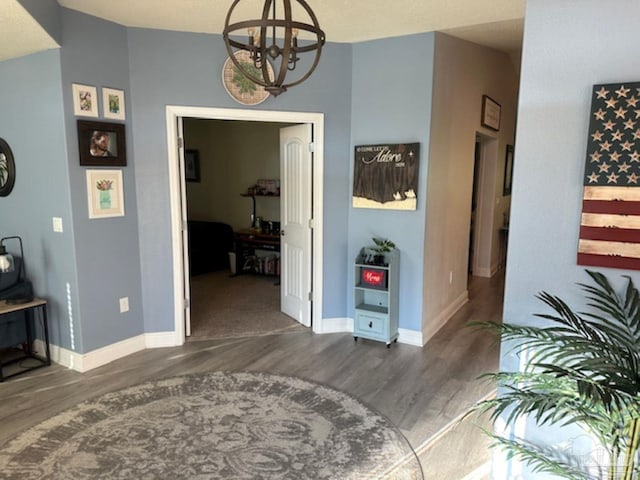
{"type": "Point", "coordinates": [376, 302]}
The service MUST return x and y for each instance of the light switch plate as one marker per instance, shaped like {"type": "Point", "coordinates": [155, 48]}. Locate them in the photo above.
{"type": "Point", "coordinates": [57, 224]}
{"type": "Point", "coordinates": [124, 304]}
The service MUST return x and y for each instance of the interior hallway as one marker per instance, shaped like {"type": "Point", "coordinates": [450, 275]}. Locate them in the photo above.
{"type": "Point", "coordinates": [421, 390]}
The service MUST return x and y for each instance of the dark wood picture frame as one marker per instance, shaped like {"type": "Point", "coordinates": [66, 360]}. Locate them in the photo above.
{"type": "Point", "coordinates": [508, 171]}
{"type": "Point", "coordinates": [192, 165]}
{"type": "Point", "coordinates": [491, 112]}
{"type": "Point", "coordinates": [102, 144]}
{"type": "Point", "coordinates": [7, 169]}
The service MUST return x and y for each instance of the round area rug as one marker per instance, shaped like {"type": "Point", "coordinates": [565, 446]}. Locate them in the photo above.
{"type": "Point", "coordinates": [214, 425]}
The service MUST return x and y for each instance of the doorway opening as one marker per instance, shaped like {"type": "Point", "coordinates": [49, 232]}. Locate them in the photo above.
{"type": "Point", "coordinates": [180, 253]}
{"type": "Point", "coordinates": [483, 241]}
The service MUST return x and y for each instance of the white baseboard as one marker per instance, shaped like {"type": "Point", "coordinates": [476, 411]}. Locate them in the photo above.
{"type": "Point", "coordinates": [410, 337]}
{"type": "Point", "coordinates": [444, 316]}
{"type": "Point", "coordinates": [336, 325]}
{"type": "Point", "coordinates": [96, 358]}
{"type": "Point", "coordinates": [345, 325]}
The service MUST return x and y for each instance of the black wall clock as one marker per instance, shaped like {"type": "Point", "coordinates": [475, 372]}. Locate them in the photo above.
{"type": "Point", "coordinates": [7, 169]}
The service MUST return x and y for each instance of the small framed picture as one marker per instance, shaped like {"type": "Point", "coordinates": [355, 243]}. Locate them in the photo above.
{"type": "Point", "coordinates": [192, 165]}
{"type": "Point", "coordinates": [102, 144]}
{"type": "Point", "coordinates": [105, 193]}
{"type": "Point", "coordinates": [490, 113]}
{"type": "Point", "coordinates": [85, 100]}
{"type": "Point", "coordinates": [113, 103]}
{"type": "Point", "coordinates": [508, 171]}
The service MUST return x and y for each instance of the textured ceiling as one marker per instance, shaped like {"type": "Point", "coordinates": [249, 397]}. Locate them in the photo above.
{"type": "Point", "coordinates": [342, 20]}
{"type": "Point", "coordinates": [20, 34]}
{"type": "Point", "coordinates": [494, 23]}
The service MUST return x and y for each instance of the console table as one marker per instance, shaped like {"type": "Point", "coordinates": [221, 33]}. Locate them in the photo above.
{"type": "Point", "coordinates": [37, 308]}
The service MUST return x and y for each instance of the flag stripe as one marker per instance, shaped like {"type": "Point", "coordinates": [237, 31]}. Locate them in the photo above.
{"type": "Point", "coordinates": [611, 221]}
{"type": "Point", "coordinates": [618, 207]}
{"type": "Point", "coordinates": [612, 193]}
{"type": "Point", "coordinates": [598, 247]}
{"type": "Point", "coordinates": [610, 234]}
{"type": "Point", "coordinates": [608, 261]}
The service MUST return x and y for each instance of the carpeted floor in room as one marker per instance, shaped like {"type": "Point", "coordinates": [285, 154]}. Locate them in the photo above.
{"type": "Point", "coordinates": [225, 306]}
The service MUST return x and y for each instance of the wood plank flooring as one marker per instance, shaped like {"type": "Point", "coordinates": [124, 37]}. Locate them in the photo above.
{"type": "Point", "coordinates": [421, 390]}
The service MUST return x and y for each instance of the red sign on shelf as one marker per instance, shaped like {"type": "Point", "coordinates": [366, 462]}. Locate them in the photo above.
{"type": "Point", "coordinates": [374, 277]}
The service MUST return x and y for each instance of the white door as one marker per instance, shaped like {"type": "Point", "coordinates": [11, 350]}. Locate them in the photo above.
{"type": "Point", "coordinates": [295, 217]}
{"type": "Point", "coordinates": [185, 233]}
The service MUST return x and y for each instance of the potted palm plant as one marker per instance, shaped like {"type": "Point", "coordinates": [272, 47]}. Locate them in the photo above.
{"type": "Point", "coordinates": [583, 368]}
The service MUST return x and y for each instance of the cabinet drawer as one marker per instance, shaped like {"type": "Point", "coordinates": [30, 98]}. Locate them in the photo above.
{"type": "Point", "coordinates": [367, 323]}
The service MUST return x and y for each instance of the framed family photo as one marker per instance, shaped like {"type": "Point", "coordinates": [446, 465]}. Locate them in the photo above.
{"type": "Point", "coordinates": [85, 100]}
{"type": "Point", "coordinates": [113, 103]}
{"type": "Point", "coordinates": [105, 193]}
{"type": "Point", "coordinates": [102, 144]}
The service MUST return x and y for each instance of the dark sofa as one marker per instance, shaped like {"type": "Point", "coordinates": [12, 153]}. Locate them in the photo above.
{"type": "Point", "coordinates": [209, 246]}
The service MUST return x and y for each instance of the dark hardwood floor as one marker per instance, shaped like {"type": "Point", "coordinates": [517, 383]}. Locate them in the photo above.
{"type": "Point", "coordinates": [421, 390]}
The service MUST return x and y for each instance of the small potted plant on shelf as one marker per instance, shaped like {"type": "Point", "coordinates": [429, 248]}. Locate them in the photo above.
{"type": "Point", "coordinates": [382, 246]}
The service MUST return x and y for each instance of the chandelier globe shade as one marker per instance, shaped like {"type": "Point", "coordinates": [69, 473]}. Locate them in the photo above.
{"type": "Point", "coordinates": [277, 40]}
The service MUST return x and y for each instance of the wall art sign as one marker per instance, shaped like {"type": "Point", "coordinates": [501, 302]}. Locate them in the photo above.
{"type": "Point", "coordinates": [102, 144]}
{"type": "Point", "coordinates": [491, 111]}
{"type": "Point", "coordinates": [7, 169]}
{"type": "Point", "coordinates": [85, 100]}
{"type": "Point", "coordinates": [105, 193]}
{"type": "Point", "coordinates": [386, 176]}
{"type": "Point", "coordinates": [610, 221]}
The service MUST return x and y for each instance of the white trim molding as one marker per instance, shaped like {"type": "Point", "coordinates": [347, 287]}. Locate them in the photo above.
{"type": "Point", "coordinates": [410, 337]}
{"type": "Point", "coordinates": [83, 362]}
{"type": "Point", "coordinates": [336, 325]}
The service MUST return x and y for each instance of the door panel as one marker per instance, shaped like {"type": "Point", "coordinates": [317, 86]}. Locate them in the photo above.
{"type": "Point", "coordinates": [295, 215]}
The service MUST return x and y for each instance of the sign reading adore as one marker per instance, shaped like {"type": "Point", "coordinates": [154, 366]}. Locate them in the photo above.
{"type": "Point", "coordinates": [7, 169]}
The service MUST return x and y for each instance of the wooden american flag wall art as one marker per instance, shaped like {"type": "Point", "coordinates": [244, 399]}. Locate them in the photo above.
{"type": "Point", "coordinates": [610, 223]}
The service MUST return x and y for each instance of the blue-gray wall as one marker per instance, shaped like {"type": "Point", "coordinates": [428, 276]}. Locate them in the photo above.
{"type": "Point", "coordinates": [31, 102]}
{"type": "Point", "coordinates": [95, 53]}
{"type": "Point", "coordinates": [176, 68]}
{"type": "Point", "coordinates": [568, 47]}
{"type": "Point", "coordinates": [391, 103]}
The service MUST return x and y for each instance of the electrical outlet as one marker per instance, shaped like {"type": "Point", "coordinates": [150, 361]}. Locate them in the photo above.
{"type": "Point", "coordinates": [124, 304]}
{"type": "Point", "coordinates": [57, 224]}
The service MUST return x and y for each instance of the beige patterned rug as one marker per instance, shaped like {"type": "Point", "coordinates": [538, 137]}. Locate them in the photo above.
{"type": "Point", "coordinates": [214, 426]}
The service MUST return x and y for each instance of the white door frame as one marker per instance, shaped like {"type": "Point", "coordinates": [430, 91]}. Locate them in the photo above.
{"type": "Point", "coordinates": [484, 221]}
{"type": "Point", "coordinates": [174, 113]}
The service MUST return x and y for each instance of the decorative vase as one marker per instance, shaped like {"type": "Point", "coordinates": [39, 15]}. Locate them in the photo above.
{"type": "Point", "coordinates": [105, 199]}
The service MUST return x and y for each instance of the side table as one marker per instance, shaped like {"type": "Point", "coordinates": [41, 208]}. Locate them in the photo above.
{"type": "Point", "coordinates": [37, 308]}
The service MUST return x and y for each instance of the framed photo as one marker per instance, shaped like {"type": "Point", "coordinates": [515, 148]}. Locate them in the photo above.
{"type": "Point", "coordinates": [508, 171]}
{"type": "Point", "coordinates": [192, 165]}
{"type": "Point", "coordinates": [113, 103]}
{"type": "Point", "coordinates": [85, 100]}
{"type": "Point", "coordinates": [490, 113]}
{"type": "Point", "coordinates": [105, 194]}
{"type": "Point", "coordinates": [102, 144]}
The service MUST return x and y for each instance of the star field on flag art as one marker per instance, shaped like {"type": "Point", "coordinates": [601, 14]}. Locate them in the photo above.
{"type": "Point", "coordinates": [613, 150]}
